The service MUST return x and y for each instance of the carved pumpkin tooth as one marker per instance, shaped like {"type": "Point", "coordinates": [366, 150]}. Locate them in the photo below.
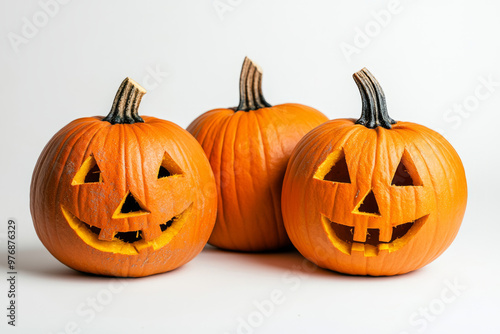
{"type": "Point", "coordinates": [358, 247]}
{"type": "Point", "coordinates": [360, 233]}
{"type": "Point", "coordinates": [107, 234]}
{"type": "Point", "coordinates": [385, 234]}
{"type": "Point", "coordinates": [383, 247]}
{"type": "Point", "coordinates": [371, 250]}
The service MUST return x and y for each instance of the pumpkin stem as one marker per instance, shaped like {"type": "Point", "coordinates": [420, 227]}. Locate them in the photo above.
{"type": "Point", "coordinates": [126, 104]}
{"type": "Point", "coordinates": [374, 110]}
{"type": "Point", "coordinates": [251, 97]}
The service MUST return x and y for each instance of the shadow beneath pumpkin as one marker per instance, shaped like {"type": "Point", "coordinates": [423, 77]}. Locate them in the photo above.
{"type": "Point", "coordinates": [39, 262]}
{"type": "Point", "coordinates": [290, 260]}
{"type": "Point", "coordinates": [284, 260]}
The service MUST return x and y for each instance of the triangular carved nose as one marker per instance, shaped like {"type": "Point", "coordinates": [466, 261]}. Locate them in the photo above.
{"type": "Point", "coordinates": [368, 205]}
{"type": "Point", "coordinates": [130, 207]}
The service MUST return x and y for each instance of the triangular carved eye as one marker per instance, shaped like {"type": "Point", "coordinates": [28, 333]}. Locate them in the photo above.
{"type": "Point", "coordinates": [168, 167]}
{"type": "Point", "coordinates": [334, 168]}
{"type": "Point", "coordinates": [406, 174]}
{"type": "Point", "coordinates": [89, 172]}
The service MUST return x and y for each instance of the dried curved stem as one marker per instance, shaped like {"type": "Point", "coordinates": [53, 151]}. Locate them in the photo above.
{"type": "Point", "coordinates": [126, 104]}
{"type": "Point", "coordinates": [251, 97]}
{"type": "Point", "coordinates": [374, 110]}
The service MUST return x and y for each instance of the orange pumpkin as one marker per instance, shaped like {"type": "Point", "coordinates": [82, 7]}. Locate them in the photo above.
{"type": "Point", "coordinates": [123, 195]}
{"type": "Point", "coordinates": [373, 196]}
{"type": "Point", "coordinates": [248, 148]}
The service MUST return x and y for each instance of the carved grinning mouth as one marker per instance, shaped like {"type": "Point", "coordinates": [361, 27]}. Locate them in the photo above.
{"type": "Point", "coordinates": [129, 242]}
{"type": "Point", "coordinates": [130, 236]}
{"type": "Point", "coordinates": [342, 237]}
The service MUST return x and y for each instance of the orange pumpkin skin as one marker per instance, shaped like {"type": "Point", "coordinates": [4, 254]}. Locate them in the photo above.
{"type": "Point", "coordinates": [129, 157]}
{"type": "Point", "coordinates": [248, 152]}
{"type": "Point", "coordinates": [404, 227]}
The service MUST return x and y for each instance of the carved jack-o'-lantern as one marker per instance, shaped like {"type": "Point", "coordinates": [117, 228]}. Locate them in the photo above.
{"type": "Point", "coordinates": [123, 195]}
{"type": "Point", "coordinates": [373, 196]}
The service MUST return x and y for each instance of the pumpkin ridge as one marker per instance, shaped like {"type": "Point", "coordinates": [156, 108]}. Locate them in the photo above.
{"type": "Point", "coordinates": [142, 172]}
{"type": "Point", "coordinates": [433, 182]}
{"type": "Point", "coordinates": [212, 133]}
{"type": "Point", "coordinates": [436, 202]}
{"type": "Point", "coordinates": [86, 154]}
{"type": "Point", "coordinates": [449, 183]}
{"type": "Point", "coordinates": [221, 134]}
{"type": "Point", "coordinates": [420, 262]}
{"type": "Point", "coordinates": [276, 211]}
{"type": "Point", "coordinates": [398, 140]}
{"type": "Point", "coordinates": [369, 139]}
{"type": "Point", "coordinates": [208, 135]}
{"type": "Point", "coordinates": [142, 134]}
{"type": "Point", "coordinates": [234, 135]}
{"type": "Point", "coordinates": [36, 178]}
{"type": "Point", "coordinates": [342, 139]}
{"type": "Point", "coordinates": [105, 140]}
{"type": "Point", "coordinates": [76, 135]}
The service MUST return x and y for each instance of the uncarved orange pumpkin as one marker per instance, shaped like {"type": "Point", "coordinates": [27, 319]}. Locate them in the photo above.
{"type": "Point", "coordinates": [373, 196]}
{"type": "Point", "coordinates": [123, 195]}
{"type": "Point", "coordinates": [248, 148]}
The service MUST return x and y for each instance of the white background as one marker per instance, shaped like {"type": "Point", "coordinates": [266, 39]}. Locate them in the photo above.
{"type": "Point", "coordinates": [432, 58]}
